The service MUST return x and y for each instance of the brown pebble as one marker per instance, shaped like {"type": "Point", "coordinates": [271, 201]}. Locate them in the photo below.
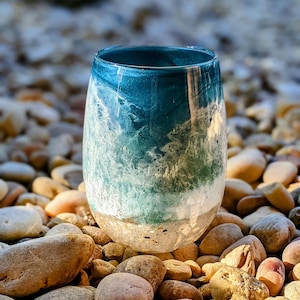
{"type": "Point", "coordinates": [249, 204]}
{"type": "Point", "coordinates": [291, 254]}
{"type": "Point", "coordinates": [100, 268]}
{"type": "Point", "coordinates": [14, 191]}
{"type": "Point", "coordinates": [177, 270]}
{"type": "Point", "coordinates": [174, 290]}
{"type": "Point", "coordinates": [204, 259]}
{"type": "Point", "coordinates": [113, 251]}
{"type": "Point", "coordinates": [188, 252]}
{"type": "Point", "coordinates": [99, 235]}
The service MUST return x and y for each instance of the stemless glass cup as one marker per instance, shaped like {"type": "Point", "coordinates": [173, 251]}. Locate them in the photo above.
{"type": "Point", "coordinates": [154, 144]}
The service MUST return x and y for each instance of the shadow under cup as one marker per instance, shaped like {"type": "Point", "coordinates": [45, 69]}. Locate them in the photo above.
{"type": "Point", "coordinates": [154, 145]}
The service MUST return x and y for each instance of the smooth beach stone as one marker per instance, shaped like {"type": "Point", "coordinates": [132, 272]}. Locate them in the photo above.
{"type": "Point", "coordinates": [188, 252]}
{"type": "Point", "coordinates": [235, 189]}
{"type": "Point", "coordinates": [236, 284]}
{"type": "Point", "coordinates": [177, 270]}
{"type": "Point", "coordinates": [33, 199]}
{"type": "Point", "coordinates": [72, 218]}
{"type": "Point", "coordinates": [39, 159]}
{"type": "Point", "coordinates": [278, 196]}
{"type": "Point", "coordinates": [60, 145]}
{"type": "Point", "coordinates": [100, 268]}
{"type": "Point", "coordinates": [272, 273]}
{"type": "Point", "coordinates": [204, 259]}
{"type": "Point", "coordinates": [3, 189]}
{"type": "Point", "coordinates": [247, 165]}
{"type": "Point", "coordinates": [291, 254]}
{"type": "Point", "coordinates": [219, 238]}
{"type": "Point", "coordinates": [98, 234]}
{"type": "Point", "coordinates": [274, 231]}
{"type": "Point", "coordinates": [259, 214]}
{"type": "Point", "coordinates": [47, 187]}
{"type": "Point", "coordinates": [17, 171]}
{"type": "Point", "coordinates": [292, 290]}
{"type": "Point", "coordinates": [296, 272]}
{"type": "Point", "coordinates": [149, 267]}
{"type": "Point", "coordinates": [19, 222]}
{"type": "Point", "coordinates": [63, 228]}
{"type": "Point", "coordinates": [258, 251]}
{"type": "Point", "coordinates": [68, 175]}
{"type": "Point", "coordinates": [249, 204]}
{"type": "Point", "coordinates": [113, 250]}
{"type": "Point", "coordinates": [69, 293]}
{"type": "Point", "coordinates": [280, 171]}
{"type": "Point", "coordinates": [3, 297]}
{"type": "Point", "coordinates": [43, 263]}
{"type": "Point", "coordinates": [124, 286]}
{"type": "Point", "coordinates": [57, 128]}
{"type": "Point", "coordinates": [174, 290]}
{"type": "Point", "coordinates": [196, 269]}
{"type": "Point", "coordinates": [14, 191]}
{"type": "Point", "coordinates": [67, 201]}
{"type": "Point", "coordinates": [129, 252]}
{"type": "Point", "coordinates": [294, 216]}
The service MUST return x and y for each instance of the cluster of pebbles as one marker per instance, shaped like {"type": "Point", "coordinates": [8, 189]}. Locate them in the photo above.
{"type": "Point", "coordinates": [50, 246]}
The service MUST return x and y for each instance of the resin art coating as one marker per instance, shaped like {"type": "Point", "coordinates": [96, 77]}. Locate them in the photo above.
{"type": "Point", "coordinates": [154, 148]}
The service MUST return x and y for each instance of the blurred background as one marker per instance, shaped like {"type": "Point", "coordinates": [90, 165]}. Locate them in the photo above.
{"type": "Point", "coordinates": [49, 45]}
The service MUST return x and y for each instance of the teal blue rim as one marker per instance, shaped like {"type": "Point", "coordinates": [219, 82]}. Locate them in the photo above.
{"type": "Point", "coordinates": [99, 57]}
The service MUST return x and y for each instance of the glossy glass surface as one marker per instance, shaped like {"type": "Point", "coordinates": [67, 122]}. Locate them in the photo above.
{"type": "Point", "coordinates": [154, 147]}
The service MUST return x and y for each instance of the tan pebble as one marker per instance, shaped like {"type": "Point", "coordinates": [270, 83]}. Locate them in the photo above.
{"type": "Point", "coordinates": [210, 269]}
{"type": "Point", "coordinates": [279, 197]}
{"type": "Point", "coordinates": [241, 257]}
{"type": "Point", "coordinates": [33, 199]}
{"type": "Point", "coordinates": [175, 290]}
{"type": "Point", "coordinates": [226, 217]}
{"type": "Point", "coordinates": [296, 272]}
{"type": "Point", "coordinates": [277, 298]}
{"type": "Point", "coordinates": [3, 189]}
{"type": "Point", "coordinates": [259, 214]}
{"type": "Point", "coordinates": [188, 252]}
{"type": "Point", "coordinates": [68, 175]}
{"type": "Point", "coordinates": [233, 151]}
{"type": "Point", "coordinates": [129, 252]}
{"type": "Point", "coordinates": [58, 161]}
{"type": "Point", "coordinates": [99, 235]}
{"type": "Point", "coordinates": [164, 256]}
{"type": "Point", "coordinates": [100, 268]}
{"type": "Point", "coordinates": [73, 219]}
{"type": "Point", "coordinates": [47, 187]}
{"type": "Point", "coordinates": [69, 292]}
{"type": "Point", "coordinates": [124, 286]}
{"type": "Point", "coordinates": [68, 201]}
{"type": "Point", "coordinates": [113, 250]}
{"type": "Point", "coordinates": [81, 187]}
{"type": "Point", "coordinates": [284, 172]}
{"type": "Point", "coordinates": [4, 297]}
{"type": "Point", "coordinates": [63, 228]}
{"type": "Point", "coordinates": [41, 212]}
{"type": "Point", "coordinates": [38, 159]}
{"type": "Point", "coordinates": [292, 290]}
{"type": "Point", "coordinates": [54, 261]}
{"type": "Point", "coordinates": [148, 267]}
{"type": "Point", "coordinates": [219, 238]}
{"type": "Point", "coordinates": [235, 189]}
{"type": "Point", "coordinates": [248, 165]}
{"type": "Point", "coordinates": [258, 250]}
{"type": "Point", "coordinates": [177, 270]}
{"type": "Point", "coordinates": [204, 259]}
{"type": "Point", "coordinates": [272, 273]}
{"type": "Point", "coordinates": [114, 262]}
{"type": "Point", "coordinates": [233, 283]}
{"type": "Point", "coordinates": [196, 269]}
{"type": "Point", "coordinates": [274, 231]}
{"type": "Point", "coordinates": [234, 139]}
{"type": "Point", "coordinates": [249, 204]}
{"type": "Point", "coordinates": [204, 289]}
{"type": "Point", "coordinates": [291, 254]}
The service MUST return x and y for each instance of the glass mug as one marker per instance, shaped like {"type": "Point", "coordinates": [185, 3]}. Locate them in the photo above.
{"type": "Point", "coordinates": [154, 144]}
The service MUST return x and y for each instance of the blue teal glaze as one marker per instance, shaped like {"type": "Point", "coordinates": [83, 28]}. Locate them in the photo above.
{"type": "Point", "coordinates": [147, 130]}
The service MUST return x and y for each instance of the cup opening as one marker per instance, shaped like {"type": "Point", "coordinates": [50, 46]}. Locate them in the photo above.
{"type": "Point", "coordinates": [156, 56]}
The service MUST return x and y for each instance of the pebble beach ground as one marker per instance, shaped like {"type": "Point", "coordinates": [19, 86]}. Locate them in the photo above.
{"type": "Point", "coordinates": [50, 246]}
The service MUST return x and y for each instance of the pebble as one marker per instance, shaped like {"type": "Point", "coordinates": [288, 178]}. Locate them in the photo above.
{"type": "Point", "coordinates": [124, 286]}
{"type": "Point", "coordinates": [188, 252]}
{"type": "Point", "coordinates": [63, 228]}
{"type": "Point", "coordinates": [247, 165]}
{"type": "Point", "coordinates": [291, 254]}
{"type": "Point", "coordinates": [99, 236]}
{"type": "Point", "coordinates": [284, 172]}
{"type": "Point", "coordinates": [249, 204]}
{"type": "Point", "coordinates": [278, 196]}
{"type": "Point", "coordinates": [148, 267]}
{"type": "Point", "coordinates": [292, 290]}
{"type": "Point", "coordinates": [272, 273]}
{"type": "Point", "coordinates": [19, 222]}
{"type": "Point", "coordinates": [47, 187]}
{"type": "Point", "coordinates": [68, 175]}
{"type": "Point", "coordinates": [100, 268]}
{"type": "Point", "coordinates": [235, 189]}
{"type": "Point", "coordinates": [177, 270]}
{"type": "Point", "coordinates": [33, 199]}
{"type": "Point", "coordinates": [274, 231]}
{"type": "Point", "coordinates": [67, 201]}
{"type": "Point", "coordinates": [219, 238]}
{"type": "Point", "coordinates": [69, 293]}
{"type": "Point", "coordinates": [30, 267]}
{"type": "Point", "coordinates": [113, 251]}
{"type": "Point", "coordinates": [233, 283]}
{"type": "Point", "coordinates": [72, 218]}
{"type": "Point", "coordinates": [3, 189]}
{"type": "Point", "coordinates": [174, 290]}
{"type": "Point", "coordinates": [17, 171]}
